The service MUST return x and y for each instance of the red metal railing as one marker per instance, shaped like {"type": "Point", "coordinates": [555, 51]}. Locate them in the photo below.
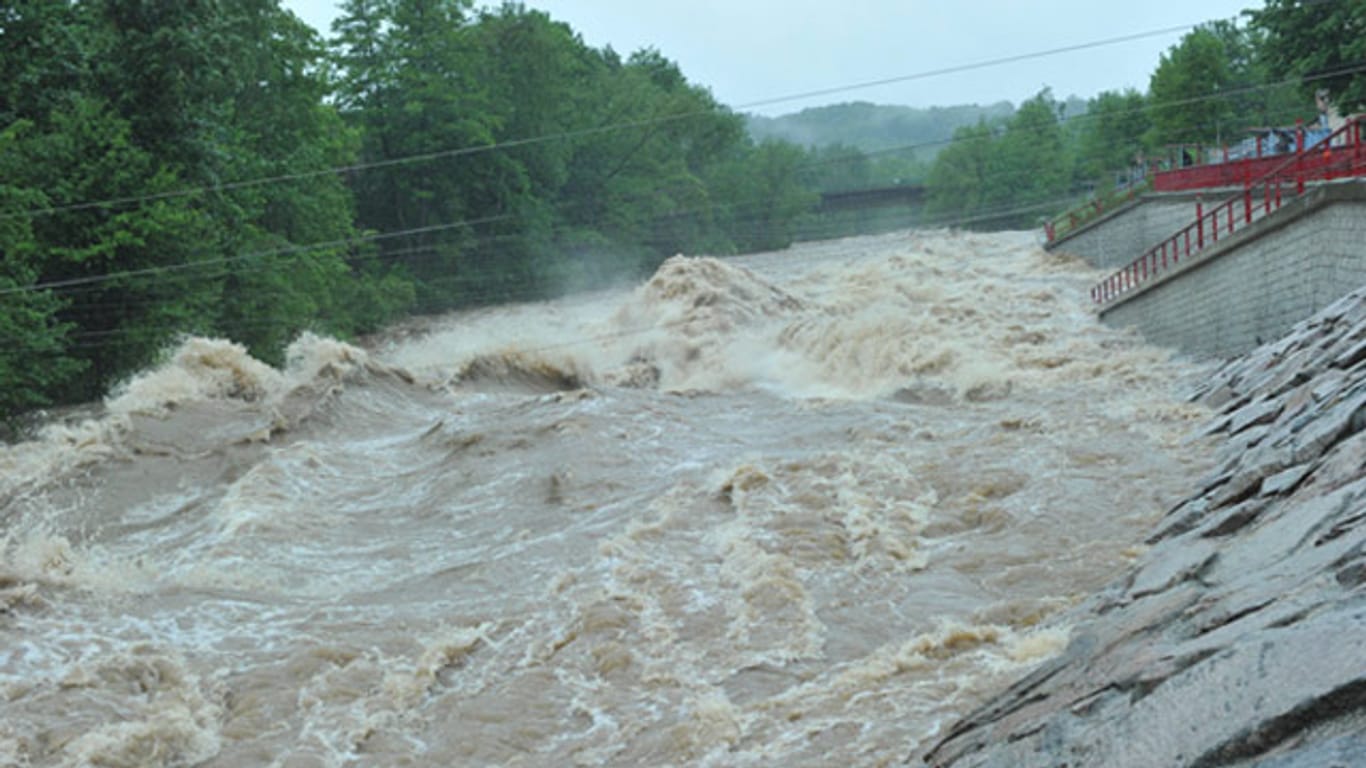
{"type": "Point", "coordinates": [1194, 166]}
{"type": "Point", "coordinates": [1078, 217]}
{"type": "Point", "coordinates": [1341, 154]}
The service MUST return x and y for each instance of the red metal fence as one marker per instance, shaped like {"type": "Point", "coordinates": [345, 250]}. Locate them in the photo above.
{"type": "Point", "coordinates": [1341, 154]}
{"type": "Point", "coordinates": [1071, 220]}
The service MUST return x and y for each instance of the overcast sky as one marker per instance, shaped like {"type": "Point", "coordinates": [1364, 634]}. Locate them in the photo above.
{"type": "Point", "coordinates": [753, 51]}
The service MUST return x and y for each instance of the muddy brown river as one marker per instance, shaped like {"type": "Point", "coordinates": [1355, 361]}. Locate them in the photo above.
{"type": "Point", "coordinates": [800, 508]}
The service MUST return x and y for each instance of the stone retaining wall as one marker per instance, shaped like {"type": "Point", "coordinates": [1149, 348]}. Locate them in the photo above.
{"type": "Point", "coordinates": [1256, 285]}
{"type": "Point", "coordinates": [1122, 235]}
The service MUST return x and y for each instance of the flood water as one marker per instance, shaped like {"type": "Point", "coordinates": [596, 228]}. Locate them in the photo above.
{"type": "Point", "coordinates": [800, 508]}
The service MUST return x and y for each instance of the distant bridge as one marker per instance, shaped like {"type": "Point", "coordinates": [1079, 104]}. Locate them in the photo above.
{"type": "Point", "coordinates": [874, 197]}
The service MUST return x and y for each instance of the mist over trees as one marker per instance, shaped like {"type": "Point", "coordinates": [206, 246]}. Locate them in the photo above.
{"type": "Point", "coordinates": [171, 168]}
{"type": "Point", "coordinates": [218, 168]}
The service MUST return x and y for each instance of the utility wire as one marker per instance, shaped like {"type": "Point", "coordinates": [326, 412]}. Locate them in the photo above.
{"type": "Point", "coordinates": [295, 249]}
{"type": "Point", "coordinates": [970, 67]}
{"type": "Point", "coordinates": [66, 285]}
{"type": "Point", "coordinates": [563, 135]}
{"type": "Point", "coordinates": [348, 242]}
{"type": "Point", "coordinates": [101, 338]}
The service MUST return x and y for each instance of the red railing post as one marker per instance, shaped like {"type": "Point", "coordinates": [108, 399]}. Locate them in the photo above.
{"type": "Point", "coordinates": [1199, 222]}
{"type": "Point", "coordinates": [1278, 171]}
{"type": "Point", "coordinates": [1299, 158]}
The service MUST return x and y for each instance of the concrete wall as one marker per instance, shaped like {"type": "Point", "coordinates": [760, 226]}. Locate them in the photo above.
{"type": "Point", "coordinates": [1118, 238]}
{"type": "Point", "coordinates": [1253, 287]}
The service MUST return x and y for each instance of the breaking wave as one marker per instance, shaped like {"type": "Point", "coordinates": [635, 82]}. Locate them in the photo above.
{"type": "Point", "coordinates": [754, 511]}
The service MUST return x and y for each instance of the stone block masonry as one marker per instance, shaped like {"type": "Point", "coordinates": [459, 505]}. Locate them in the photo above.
{"type": "Point", "coordinates": [1256, 285]}
{"type": "Point", "coordinates": [1119, 237]}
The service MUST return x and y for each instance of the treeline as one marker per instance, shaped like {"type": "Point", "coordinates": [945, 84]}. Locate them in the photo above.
{"type": "Point", "coordinates": [1219, 80]}
{"type": "Point", "coordinates": [214, 167]}
{"type": "Point", "coordinates": [874, 144]}
{"type": "Point", "coordinates": [876, 127]}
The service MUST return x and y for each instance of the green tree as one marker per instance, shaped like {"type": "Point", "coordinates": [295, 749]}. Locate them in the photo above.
{"type": "Point", "coordinates": [34, 358]}
{"type": "Point", "coordinates": [759, 195]}
{"type": "Point", "coordinates": [1186, 92]}
{"type": "Point", "coordinates": [838, 167]}
{"type": "Point", "coordinates": [1111, 135]}
{"type": "Point", "coordinates": [1324, 43]}
{"type": "Point", "coordinates": [412, 89]}
{"type": "Point", "coordinates": [1029, 164]}
{"type": "Point", "coordinates": [170, 110]}
{"type": "Point", "coordinates": [961, 174]}
{"type": "Point", "coordinates": [1256, 94]}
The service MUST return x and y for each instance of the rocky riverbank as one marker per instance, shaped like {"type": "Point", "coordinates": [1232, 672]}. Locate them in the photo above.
{"type": "Point", "coordinates": [1239, 638]}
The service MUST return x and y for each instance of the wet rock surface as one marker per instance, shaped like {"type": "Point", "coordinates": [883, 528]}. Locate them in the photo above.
{"type": "Point", "coordinates": [1239, 638]}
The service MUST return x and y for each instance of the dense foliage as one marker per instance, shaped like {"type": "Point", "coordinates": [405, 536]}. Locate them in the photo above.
{"type": "Point", "coordinates": [172, 167]}
{"type": "Point", "coordinates": [1322, 43]}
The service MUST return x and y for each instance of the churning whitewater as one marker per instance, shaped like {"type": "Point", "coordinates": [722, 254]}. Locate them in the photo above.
{"type": "Point", "coordinates": [799, 508]}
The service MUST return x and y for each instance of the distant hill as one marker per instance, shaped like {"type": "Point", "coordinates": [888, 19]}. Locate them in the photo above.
{"type": "Point", "coordinates": [874, 127]}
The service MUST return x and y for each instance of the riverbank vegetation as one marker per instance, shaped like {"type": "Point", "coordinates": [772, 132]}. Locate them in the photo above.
{"type": "Point", "coordinates": [170, 168]}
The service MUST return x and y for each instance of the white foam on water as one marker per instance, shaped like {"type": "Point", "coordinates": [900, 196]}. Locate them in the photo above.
{"type": "Point", "coordinates": [752, 511]}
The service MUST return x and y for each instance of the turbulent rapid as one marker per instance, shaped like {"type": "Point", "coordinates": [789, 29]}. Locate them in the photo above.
{"type": "Point", "coordinates": [799, 508]}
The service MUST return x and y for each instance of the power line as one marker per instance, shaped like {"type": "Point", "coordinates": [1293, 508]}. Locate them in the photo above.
{"type": "Point", "coordinates": [290, 249]}
{"type": "Point", "coordinates": [970, 67]}
{"type": "Point", "coordinates": [108, 338]}
{"type": "Point", "coordinates": [563, 135]}
{"type": "Point", "coordinates": [348, 242]}
{"type": "Point", "coordinates": [376, 237]}
{"type": "Point", "coordinates": [294, 250]}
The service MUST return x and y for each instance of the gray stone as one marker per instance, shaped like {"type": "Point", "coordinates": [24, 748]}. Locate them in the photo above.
{"type": "Point", "coordinates": [1351, 356]}
{"type": "Point", "coordinates": [1243, 701]}
{"type": "Point", "coordinates": [1260, 412]}
{"type": "Point", "coordinates": [1285, 482]}
{"type": "Point", "coordinates": [1343, 751]}
{"type": "Point", "coordinates": [1345, 463]}
{"type": "Point", "coordinates": [1239, 639]}
{"type": "Point", "coordinates": [1335, 422]}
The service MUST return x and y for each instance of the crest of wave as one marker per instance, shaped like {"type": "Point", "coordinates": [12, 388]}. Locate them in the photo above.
{"type": "Point", "coordinates": [216, 369]}
{"type": "Point", "coordinates": [698, 319]}
{"type": "Point", "coordinates": [911, 318]}
{"type": "Point", "coordinates": [199, 369]}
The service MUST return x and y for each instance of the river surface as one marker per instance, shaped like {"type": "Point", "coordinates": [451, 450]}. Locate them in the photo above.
{"type": "Point", "coordinates": [800, 508]}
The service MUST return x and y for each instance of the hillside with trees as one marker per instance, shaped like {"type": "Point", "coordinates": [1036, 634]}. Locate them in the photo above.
{"type": "Point", "coordinates": [876, 127]}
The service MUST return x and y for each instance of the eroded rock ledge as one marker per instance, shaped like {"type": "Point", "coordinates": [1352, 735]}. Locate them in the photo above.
{"type": "Point", "coordinates": [1239, 639]}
